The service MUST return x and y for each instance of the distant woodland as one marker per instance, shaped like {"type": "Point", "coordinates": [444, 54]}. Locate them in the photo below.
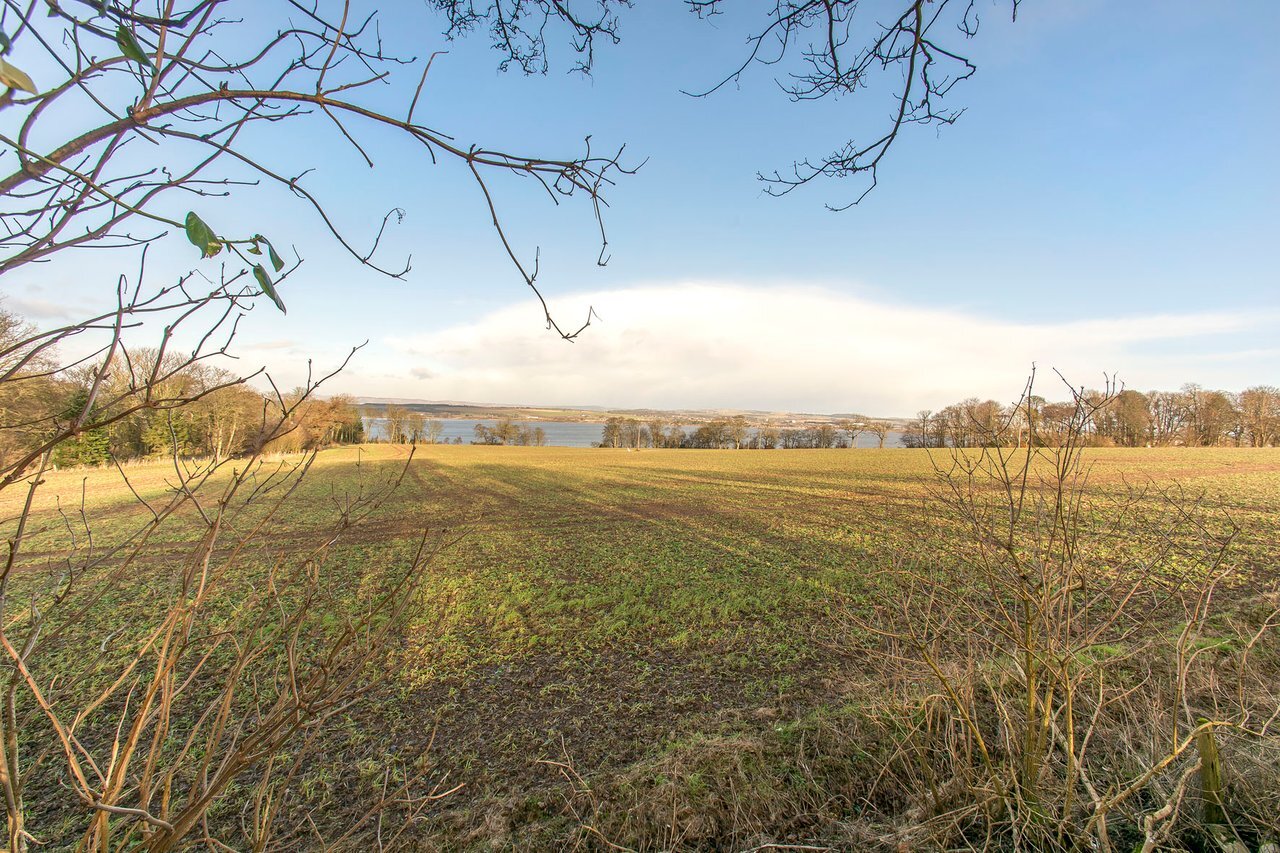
{"type": "Point", "coordinates": [1190, 417]}
{"type": "Point", "coordinates": [189, 408]}
{"type": "Point", "coordinates": [221, 416]}
{"type": "Point", "coordinates": [737, 433]}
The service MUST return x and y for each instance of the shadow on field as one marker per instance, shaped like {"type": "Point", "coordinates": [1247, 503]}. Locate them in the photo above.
{"type": "Point", "coordinates": [600, 614]}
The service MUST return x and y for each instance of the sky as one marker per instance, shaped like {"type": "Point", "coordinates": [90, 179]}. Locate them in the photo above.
{"type": "Point", "coordinates": [1105, 206]}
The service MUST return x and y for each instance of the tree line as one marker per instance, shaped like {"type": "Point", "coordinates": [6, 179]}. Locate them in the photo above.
{"type": "Point", "coordinates": [1190, 417]}
{"type": "Point", "coordinates": [405, 426]}
{"type": "Point", "coordinates": [507, 431]}
{"type": "Point", "coordinates": [219, 417]}
{"type": "Point", "coordinates": [737, 433]}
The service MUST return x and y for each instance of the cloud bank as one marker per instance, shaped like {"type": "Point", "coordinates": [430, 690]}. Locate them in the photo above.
{"type": "Point", "coordinates": [723, 345]}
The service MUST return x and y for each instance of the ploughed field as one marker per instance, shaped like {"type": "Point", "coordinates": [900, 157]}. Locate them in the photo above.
{"type": "Point", "coordinates": [607, 609]}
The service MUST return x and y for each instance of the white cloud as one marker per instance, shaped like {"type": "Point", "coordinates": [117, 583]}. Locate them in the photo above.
{"type": "Point", "coordinates": [698, 345]}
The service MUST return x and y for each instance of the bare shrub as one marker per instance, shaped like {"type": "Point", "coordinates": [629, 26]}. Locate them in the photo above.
{"type": "Point", "coordinates": [166, 679]}
{"type": "Point", "coordinates": [1071, 633]}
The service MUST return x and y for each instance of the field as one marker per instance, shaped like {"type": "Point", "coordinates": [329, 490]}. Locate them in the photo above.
{"type": "Point", "coordinates": [659, 623]}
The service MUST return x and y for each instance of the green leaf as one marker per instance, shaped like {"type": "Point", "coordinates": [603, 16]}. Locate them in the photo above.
{"type": "Point", "coordinates": [15, 78]}
{"type": "Point", "coordinates": [202, 236]}
{"type": "Point", "coordinates": [5, 44]}
{"type": "Point", "coordinates": [130, 48]}
{"type": "Point", "coordinates": [264, 281]}
{"type": "Point", "coordinates": [276, 261]}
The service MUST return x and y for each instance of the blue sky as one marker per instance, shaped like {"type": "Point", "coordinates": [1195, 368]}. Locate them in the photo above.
{"type": "Point", "coordinates": [1107, 203]}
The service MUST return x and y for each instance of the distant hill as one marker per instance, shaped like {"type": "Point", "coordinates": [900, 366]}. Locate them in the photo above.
{"type": "Point", "coordinates": [445, 409]}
